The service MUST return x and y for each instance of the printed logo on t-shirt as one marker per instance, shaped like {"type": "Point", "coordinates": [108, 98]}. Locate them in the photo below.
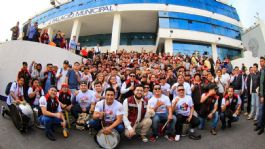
{"type": "Point", "coordinates": [109, 116]}
{"type": "Point", "coordinates": [184, 107]}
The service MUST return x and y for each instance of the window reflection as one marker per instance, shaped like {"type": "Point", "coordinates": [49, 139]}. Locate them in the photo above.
{"type": "Point", "coordinates": [190, 48]}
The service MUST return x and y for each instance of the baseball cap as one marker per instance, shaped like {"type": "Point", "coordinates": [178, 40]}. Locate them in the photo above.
{"type": "Point", "coordinates": [66, 62]}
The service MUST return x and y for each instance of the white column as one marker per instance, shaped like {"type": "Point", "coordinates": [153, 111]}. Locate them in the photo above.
{"type": "Point", "coordinates": [50, 33]}
{"type": "Point", "coordinates": [169, 46]}
{"type": "Point", "coordinates": [76, 29]}
{"type": "Point", "coordinates": [214, 51]}
{"type": "Point", "coordinates": [116, 30]}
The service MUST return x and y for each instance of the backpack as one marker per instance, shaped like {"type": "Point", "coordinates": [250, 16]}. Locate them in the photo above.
{"type": "Point", "coordinates": [8, 87]}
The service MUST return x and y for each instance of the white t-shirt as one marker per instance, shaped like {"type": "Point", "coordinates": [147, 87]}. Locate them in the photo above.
{"type": "Point", "coordinates": [18, 91]}
{"type": "Point", "coordinates": [184, 105]}
{"type": "Point", "coordinates": [111, 112]}
{"type": "Point", "coordinates": [61, 80]}
{"type": "Point", "coordinates": [226, 78]}
{"type": "Point", "coordinates": [85, 99]}
{"type": "Point", "coordinates": [43, 103]}
{"type": "Point", "coordinates": [163, 108]}
{"type": "Point", "coordinates": [165, 88]}
{"type": "Point", "coordinates": [37, 97]}
{"type": "Point", "coordinates": [87, 77]}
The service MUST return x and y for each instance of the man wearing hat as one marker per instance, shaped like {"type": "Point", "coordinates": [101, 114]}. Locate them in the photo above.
{"type": "Point", "coordinates": [61, 74]}
{"type": "Point", "coordinates": [52, 113]}
{"type": "Point", "coordinates": [209, 107]}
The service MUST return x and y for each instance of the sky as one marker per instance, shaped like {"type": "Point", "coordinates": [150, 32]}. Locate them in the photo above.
{"type": "Point", "coordinates": [12, 11]}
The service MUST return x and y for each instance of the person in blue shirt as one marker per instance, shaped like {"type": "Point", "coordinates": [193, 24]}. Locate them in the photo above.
{"type": "Point", "coordinates": [32, 31]}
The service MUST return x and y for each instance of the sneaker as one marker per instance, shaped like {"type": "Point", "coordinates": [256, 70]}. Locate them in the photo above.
{"type": "Point", "coordinates": [144, 139]}
{"type": "Point", "coordinates": [170, 137]}
{"type": "Point", "coordinates": [2, 111]}
{"type": "Point", "coordinates": [249, 118]}
{"type": "Point", "coordinates": [153, 138]}
{"type": "Point", "coordinates": [50, 137]}
{"type": "Point", "coordinates": [261, 131]}
{"type": "Point", "coordinates": [177, 138]}
{"type": "Point", "coordinates": [246, 113]}
{"type": "Point", "coordinates": [213, 132]}
{"type": "Point", "coordinates": [257, 128]}
{"type": "Point", "coordinates": [40, 126]}
{"type": "Point", "coordinates": [255, 119]}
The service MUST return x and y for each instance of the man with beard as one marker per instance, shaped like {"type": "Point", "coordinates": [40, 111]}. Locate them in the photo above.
{"type": "Point", "coordinates": [231, 106]}
{"type": "Point", "coordinates": [136, 115]}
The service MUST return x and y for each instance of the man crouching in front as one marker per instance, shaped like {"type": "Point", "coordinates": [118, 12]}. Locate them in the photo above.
{"type": "Point", "coordinates": [51, 113]}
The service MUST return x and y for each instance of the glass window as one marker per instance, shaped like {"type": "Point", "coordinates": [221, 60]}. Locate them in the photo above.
{"type": "Point", "coordinates": [224, 52]}
{"type": "Point", "coordinates": [189, 48]}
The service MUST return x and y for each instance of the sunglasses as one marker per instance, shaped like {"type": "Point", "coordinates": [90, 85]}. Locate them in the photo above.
{"type": "Point", "coordinates": [146, 87]}
{"type": "Point", "coordinates": [180, 90]}
{"type": "Point", "coordinates": [132, 75]}
{"type": "Point", "coordinates": [156, 89]}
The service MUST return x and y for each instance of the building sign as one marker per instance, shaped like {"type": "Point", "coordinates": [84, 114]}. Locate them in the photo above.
{"type": "Point", "coordinates": [80, 13]}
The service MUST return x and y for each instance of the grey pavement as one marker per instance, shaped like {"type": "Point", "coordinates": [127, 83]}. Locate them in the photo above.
{"type": "Point", "coordinates": [240, 136]}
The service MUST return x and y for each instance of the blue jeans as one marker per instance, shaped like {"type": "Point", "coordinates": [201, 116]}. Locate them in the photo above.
{"type": "Point", "coordinates": [223, 117]}
{"type": "Point", "coordinates": [261, 118]}
{"type": "Point", "coordinates": [96, 124]}
{"type": "Point", "coordinates": [162, 118]}
{"type": "Point", "coordinates": [255, 105]}
{"type": "Point", "coordinates": [214, 120]}
{"type": "Point", "coordinates": [49, 122]}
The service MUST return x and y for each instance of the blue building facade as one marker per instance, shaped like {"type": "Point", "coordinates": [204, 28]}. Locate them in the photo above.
{"type": "Point", "coordinates": [206, 18]}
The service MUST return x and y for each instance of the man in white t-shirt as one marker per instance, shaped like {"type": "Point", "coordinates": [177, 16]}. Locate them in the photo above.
{"type": "Point", "coordinates": [15, 96]}
{"type": "Point", "coordinates": [61, 74]}
{"type": "Point", "coordinates": [108, 112]}
{"type": "Point", "coordinates": [83, 101]}
{"type": "Point", "coordinates": [161, 105]}
{"type": "Point", "coordinates": [52, 113]}
{"type": "Point", "coordinates": [184, 109]}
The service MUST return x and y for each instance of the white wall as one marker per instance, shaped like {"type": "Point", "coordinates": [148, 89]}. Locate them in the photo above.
{"type": "Point", "coordinates": [13, 53]}
{"type": "Point", "coordinates": [188, 35]}
{"type": "Point", "coordinates": [247, 59]}
{"type": "Point", "coordinates": [254, 40]}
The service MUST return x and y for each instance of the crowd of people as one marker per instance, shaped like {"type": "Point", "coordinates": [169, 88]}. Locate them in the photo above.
{"type": "Point", "coordinates": [31, 32]}
{"type": "Point", "coordinates": [130, 91]}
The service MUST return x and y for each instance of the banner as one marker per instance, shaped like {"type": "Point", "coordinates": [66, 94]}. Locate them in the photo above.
{"type": "Point", "coordinates": [80, 13]}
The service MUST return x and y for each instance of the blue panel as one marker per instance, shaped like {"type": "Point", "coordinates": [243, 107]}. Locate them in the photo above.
{"type": "Point", "coordinates": [190, 48]}
{"type": "Point", "coordinates": [198, 23]}
{"type": "Point", "coordinates": [209, 5]}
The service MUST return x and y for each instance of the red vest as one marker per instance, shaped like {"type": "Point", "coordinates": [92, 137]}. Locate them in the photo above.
{"type": "Point", "coordinates": [133, 110]}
